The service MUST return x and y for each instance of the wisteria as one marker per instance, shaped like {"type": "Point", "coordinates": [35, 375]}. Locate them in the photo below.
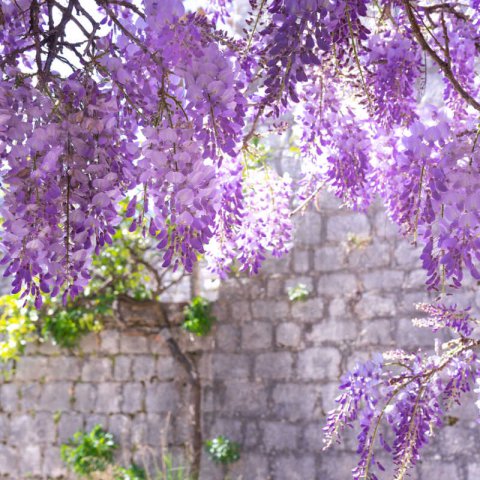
{"type": "Point", "coordinates": [399, 398]}
{"type": "Point", "coordinates": [154, 105]}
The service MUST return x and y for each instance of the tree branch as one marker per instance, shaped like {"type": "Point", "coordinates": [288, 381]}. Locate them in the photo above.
{"type": "Point", "coordinates": [444, 65]}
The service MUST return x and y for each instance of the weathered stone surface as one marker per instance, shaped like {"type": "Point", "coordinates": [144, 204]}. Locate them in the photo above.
{"type": "Point", "coordinates": [257, 335]}
{"type": "Point", "coordinates": [68, 425]}
{"type": "Point", "coordinates": [294, 402]}
{"type": "Point", "coordinates": [295, 467]}
{"type": "Point", "coordinates": [288, 335]}
{"type": "Point", "coordinates": [110, 341]}
{"type": "Point", "coordinates": [276, 365]}
{"type": "Point", "coordinates": [339, 227]}
{"type": "Point", "coordinates": [143, 367]}
{"type": "Point", "coordinates": [109, 396]}
{"type": "Point", "coordinates": [133, 397]}
{"type": "Point", "coordinates": [98, 370]}
{"type": "Point", "coordinates": [309, 310]}
{"type": "Point", "coordinates": [319, 363]}
{"type": "Point", "coordinates": [56, 396]}
{"type": "Point", "coordinates": [85, 395]}
{"type": "Point", "coordinates": [122, 368]}
{"type": "Point", "coordinates": [269, 370]}
{"type": "Point", "coordinates": [161, 397]}
{"type": "Point", "coordinates": [280, 436]}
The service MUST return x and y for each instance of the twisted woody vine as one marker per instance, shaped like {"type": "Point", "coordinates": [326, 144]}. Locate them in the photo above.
{"type": "Point", "coordinates": [149, 102]}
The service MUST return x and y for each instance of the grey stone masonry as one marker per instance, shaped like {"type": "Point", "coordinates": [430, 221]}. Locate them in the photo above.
{"type": "Point", "coordinates": [269, 373]}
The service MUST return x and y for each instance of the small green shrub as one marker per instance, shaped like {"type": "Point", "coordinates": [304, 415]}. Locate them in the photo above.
{"type": "Point", "coordinates": [298, 293]}
{"type": "Point", "coordinates": [87, 453]}
{"type": "Point", "coordinates": [222, 450]}
{"type": "Point", "coordinates": [198, 317]}
{"type": "Point", "coordinates": [134, 472]}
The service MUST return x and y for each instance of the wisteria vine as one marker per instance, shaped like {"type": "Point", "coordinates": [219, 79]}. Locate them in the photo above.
{"type": "Point", "coordinates": [144, 100]}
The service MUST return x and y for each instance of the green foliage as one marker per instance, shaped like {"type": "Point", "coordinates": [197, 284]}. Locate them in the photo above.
{"type": "Point", "coordinates": [87, 453]}
{"type": "Point", "coordinates": [121, 269]}
{"type": "Point", "coordinates": [17, 327]}
{"type": "Point", "coordinates": [222, 450]}
{"type": "Point", "coordinates": [134, 472]}
{"type": "Point", "coordinates": [298, 293]}
{"type": "Point", "coordinates": [198, 318]}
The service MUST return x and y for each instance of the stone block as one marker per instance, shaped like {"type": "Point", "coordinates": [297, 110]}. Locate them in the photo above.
{"type": "Point", "coordinates": [295, 402]}
{"type": "Point", "coordinates": [68, 425]}
{"type": "Point", "coordinates": [255, 464]}
{"type": "Point", "coordinates": [97, 369]}
{"type": "Point", "coordinates": [336, 466]}
{"type": "Point", "coordinates": [340, 226]}
{"type": "Point", "coordinates": [29, 461]}
{"type": "Point", "coordinates": [473, 471]}
{"type": "Point", "coordinates": [109, 396]}
{"type": "Point", "coordinates": [56, 396]}
{"type": "Point", "coordinates": [270, 309]}
{"type": "Point", "coordinates": [31, 368]}
{"type": "Point", "coordinates": [288, 334]}
{"type": "Point", "coordinates": [275, 286]}
{"type": "Point", "coordinates": [280, 436]}
{"type": "Point", "coordinates": [85, 395]}
{"type": "Point", "coordinates": [308, 228]}
{"type": "Point", "coordinates": [382, 280]}
{"type": "Point", "coordinates": [131, 344]}
{"type": "Point", "coordinates": [301, 261]}
{"type": "Point", "coordinates": [253, 435]}
{"type": "Point", "coordinates": [308, 311]}
{"type": "Point", "coordinates": [91, 420]}
{"type": "Point", "coordinates": [372, 306]}
{"type": "Point", "coordinates": [9, 398]}
{"type": "Point", "coordinates": [439, 470]}
{"type": "Point", "coordinates": [22, 430]}
{"type": "Point", "coordinates": [231, 366]}
{"type": "Point", "coordinates": [29, 395]}
{"type": "Point", "coordinates": [161, 397]}
{"type": "Point", "coordinates": [90, 343]}
{"type": "Point", "coordinates": [296, 467]}
{"type": "Point", "coordinates": [416, 279]}
{"type": "Point", "coordinates": [337, 308]}
{"type": "Point", "coordinates": [143, 367]}
{"type": "Point", "coordinates": [375, 255]}
{"type": "Point", "coordinates": [110, 342]}
{"type": "Point", "coordinates": [122, 368]}
{"type": "Point", "coordinates": [240, 311]}
{"type": "Point", "coordinates": [166, 368]}
{"type": "Point", "coordinates": [384, 227]}
{"type": "Point", "coordinates": [273, 365]}
{"type": "Point", "coordinates": [407, 256]}
{"type": "Point", "coordinates": [4, 427]}
{"type": "Point", "coordinates": [257, 335]}
{"type": "Point", "coordinates": [227, 337]}
{"type": "Point", "coordinates": [334, 284]}
{"type": "Point", "coordinates": [329, 259]}
{"type": "Point", "coordinates": [8, 460]}
{"type": "Point", "coordinates": [120, 426]}
{"type": "Point", "coordinates": [63, 368]}
{"type": "Point", "coordinates": [242, 397]}
{"type": "Point", "coordinates": [332, 330]}
{"type": "Point", "coordinates": [319, 363]}
{"type": "Point", "coordinates": [376, 332]}
{"type": "Point", "coordinates": [133, 397]}
{"type": "Point", "coordinates": [53, 466]}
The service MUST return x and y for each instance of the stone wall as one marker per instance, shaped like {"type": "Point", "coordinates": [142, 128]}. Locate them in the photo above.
{"type": "Point", "coordinates": [270, 370]}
